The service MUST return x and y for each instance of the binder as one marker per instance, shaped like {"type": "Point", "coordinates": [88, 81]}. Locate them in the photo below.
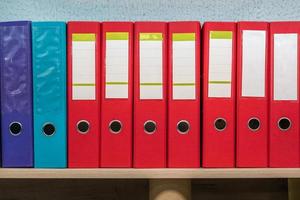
{"type": "Point", "coordinates": [117, 94]}
{"type": "Point", "coordinates": [150, 97]}
{"type": "Point", "coordinates": [184, 94]}
{"type": "Point", "coordinates": [16, 94]}
{"type": "Point", "coordinates": [83, 94]}
{"type": "Point", "coordinates": [252, 94]}
{"type": "Point", "coordinates": [284, 99]}
{"type": "Point", "coordinates": [219, 86]}
{"type": "Point", "coordinates": [49, 94]}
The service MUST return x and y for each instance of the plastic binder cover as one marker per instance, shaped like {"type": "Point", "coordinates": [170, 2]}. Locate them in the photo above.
{"type": "Point", "coordinates": [16, 94]}
{"type": "Point", "coordinates": [49, 94]}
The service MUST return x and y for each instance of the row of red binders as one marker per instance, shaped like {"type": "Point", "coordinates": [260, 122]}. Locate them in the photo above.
{"type": "Point", "coordinates": [158, 94]}
{"type": "Point", "coordinates": [241, 126]}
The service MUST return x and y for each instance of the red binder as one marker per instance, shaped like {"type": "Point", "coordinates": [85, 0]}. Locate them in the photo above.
{"type": "Point", "coordinates": [83, 94]}
{"type": "Point", "coordinates": [184, 95]}
{"type": "Point", "coordinates": [150, 102]}
{"type": "Point", "coordinates": [219, 86]}
{"type": "Point", "coordinates": [252, 94]}
{"type": "Point", "coordinates": [284, 100]}
{"type": "Point", "coordinates": [117, 94]}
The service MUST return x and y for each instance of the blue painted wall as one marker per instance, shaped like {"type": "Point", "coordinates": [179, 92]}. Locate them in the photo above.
{"type": "Point", "coordinates": [203, 10]}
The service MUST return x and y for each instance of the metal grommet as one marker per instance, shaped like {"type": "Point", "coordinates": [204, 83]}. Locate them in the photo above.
{"type": "Point", "coordinates": [149, 127]}
{"type": "Point", "coordinates": [83, 126]}
{"type": "Point", "coordinates": [183, 127]}
{"type": "Point", "coordinates": [284, 123]}
{"type": "Point", "coordinates": [48, 129]}
{"type": "Point", "coordinates": [220, 124]}
{"type": "Point", "coordinates": [115, 126]}
{"type": "Point", "coordinates": [253, 124]}
{"type": "Point", "coordinates": [15, 128]}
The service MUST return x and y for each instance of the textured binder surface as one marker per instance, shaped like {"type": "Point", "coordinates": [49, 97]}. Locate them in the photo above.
{"type": "Point", "coordinates": [16, 94]}
{"type": "Point", "coordinates": [49, 93]}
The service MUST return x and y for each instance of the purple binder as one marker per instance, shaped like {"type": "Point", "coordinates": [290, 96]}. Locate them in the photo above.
{"type": "Point", "coordinates": [16, 94]}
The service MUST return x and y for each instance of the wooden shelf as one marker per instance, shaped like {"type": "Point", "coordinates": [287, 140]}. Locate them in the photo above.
{"type": "Point", "coordinates": [148, 173]}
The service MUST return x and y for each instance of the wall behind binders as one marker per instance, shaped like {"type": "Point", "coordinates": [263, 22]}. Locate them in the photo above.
{"type": "Point", "coordinates": [133, 10]}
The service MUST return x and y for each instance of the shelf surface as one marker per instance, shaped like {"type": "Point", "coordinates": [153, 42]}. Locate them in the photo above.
{"type": "Point", "coordinates": [148, 173]}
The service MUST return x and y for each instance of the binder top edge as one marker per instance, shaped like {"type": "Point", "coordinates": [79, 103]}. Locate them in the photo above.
{"type": "Point", "coordinates": [250, 21]}
{"type": "Point", "coordinates": [15, 23]}
{"type": "Point", "coordinates": [152, 22]}
{"type": "Point", "coordinates": [68, 22]}
{"type": "Point", "coordinates": [220, 22]}
{"type": "Point", "coordinates": [178, 22]}
{"type": "Point", "coordinates": [117, 22]}
{"type": "Point", "coordinates": [48, 22]}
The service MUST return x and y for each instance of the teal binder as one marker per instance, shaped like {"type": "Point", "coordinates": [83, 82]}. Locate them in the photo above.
{"type": "Point", "coordinates": [49, 94]}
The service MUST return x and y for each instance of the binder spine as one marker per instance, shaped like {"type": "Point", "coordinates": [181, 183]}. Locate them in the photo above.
{"type": "Point", "coordinates": [284, 94]}
{"type": "Point", "coordinates": [150, 103]}
{"type": "Point", "coordinates": [117, 94]}
{"type": "Point", "coordinates": [16, 94]}
{"type": "Point", "coordinates": [49, 85]}
{"type": "Point", "coordinates": [83, 94]}
{"type": "Point", "coordinates": [252, 94]}
{"type": "Point", "coordinates": [219, 88]}
{"type": "Point", "coordinates": [184, 94]}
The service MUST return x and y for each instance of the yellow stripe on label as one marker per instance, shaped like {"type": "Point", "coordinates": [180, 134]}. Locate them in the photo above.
{"type": "Point", "coordinates": [219, 82]}
{"type": "Point", "coordinates": [183, 36]}
{"type": "Point", "coordinates": [151, 36]}
{"type": "Point", "coordinates": [83, 84]}
{"type": "Point", "coordinates": [116, 83]}
{"type": "Point", "coordinates": [117, 35]}
{"type": "Point", "coordinates": [83, 37]}
{"type": "Point", "coordinates": [221, 34]}
{"type": "Point", "coordinates": [184, 84]}
{"type": "Point", "coordinates": [150, 84]}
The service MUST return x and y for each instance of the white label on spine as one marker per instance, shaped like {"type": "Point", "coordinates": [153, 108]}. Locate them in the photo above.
{"type": "Point", "coordinates": [220, 64]}
{"type": "Point", "coordinates": [151, 66]}
{"type": "Point", "coordinates": [116, 68]}
{"type": "Point", "coordinates": [285, 66]}
{"type": "Point", "coordinates": [253, 63]}
{"type": "Point", "coordinates": [83, 67]}
{"type": "Point", "coordinates": [183, 66]}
